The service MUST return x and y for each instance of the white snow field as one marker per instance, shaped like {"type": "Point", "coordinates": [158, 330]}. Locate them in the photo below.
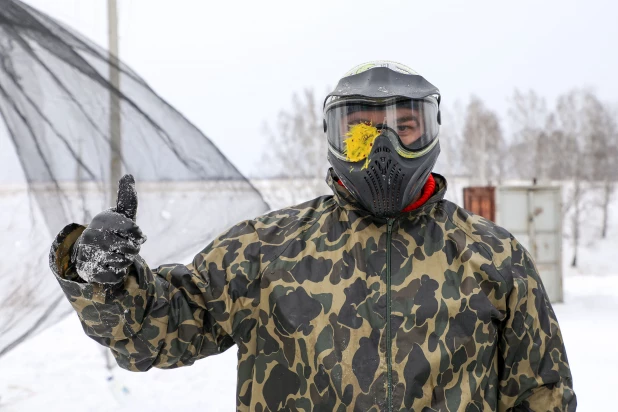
{"type": "Point", "coordinates": [61, 369]}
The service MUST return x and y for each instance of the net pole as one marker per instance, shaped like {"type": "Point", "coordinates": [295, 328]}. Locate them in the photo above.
{"type": "Point", "coordinates": [114, 99]}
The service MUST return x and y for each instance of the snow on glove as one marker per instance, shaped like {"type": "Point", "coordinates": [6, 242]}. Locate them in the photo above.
{"type": "Point", "coordinates": [108, 246]}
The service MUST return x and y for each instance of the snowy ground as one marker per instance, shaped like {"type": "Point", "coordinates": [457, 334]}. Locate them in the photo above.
{"type": "Point", "coordinates": [61, 369]}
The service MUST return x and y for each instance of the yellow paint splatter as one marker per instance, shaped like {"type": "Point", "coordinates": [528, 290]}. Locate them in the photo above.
{"type": "Point", "coordinates": [359, 142]}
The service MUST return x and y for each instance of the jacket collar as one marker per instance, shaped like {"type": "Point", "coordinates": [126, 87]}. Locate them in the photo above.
{"type": "Point", "coordinates": [345, 200]}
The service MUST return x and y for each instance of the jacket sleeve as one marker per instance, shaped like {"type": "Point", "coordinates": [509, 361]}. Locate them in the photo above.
{"type": "Point", "coordinates": [174, 315]}
{"type": "Point", "coordinates": [534, 370]}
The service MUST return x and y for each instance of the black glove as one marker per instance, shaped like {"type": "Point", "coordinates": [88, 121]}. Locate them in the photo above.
{"type": "Point", "coordinates": [109, 245]}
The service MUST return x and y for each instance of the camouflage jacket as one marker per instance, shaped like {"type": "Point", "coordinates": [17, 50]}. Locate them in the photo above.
{"type": "Point", "coordinates": [333, 309]}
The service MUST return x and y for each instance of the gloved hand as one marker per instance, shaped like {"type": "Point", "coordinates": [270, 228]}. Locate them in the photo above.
{"type": "Point", "coordinates": [108, 246]}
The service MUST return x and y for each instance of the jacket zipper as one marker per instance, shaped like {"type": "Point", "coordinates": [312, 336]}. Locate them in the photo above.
{"type": "Point", "coordinates": [389, 235]}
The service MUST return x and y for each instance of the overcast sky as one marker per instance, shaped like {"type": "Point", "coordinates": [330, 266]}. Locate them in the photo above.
{"type": "Point", "coordinates": [231, 65]}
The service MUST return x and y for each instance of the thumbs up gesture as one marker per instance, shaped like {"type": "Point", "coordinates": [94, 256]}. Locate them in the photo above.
{"type": "Point", "coordinates": [109, 245]}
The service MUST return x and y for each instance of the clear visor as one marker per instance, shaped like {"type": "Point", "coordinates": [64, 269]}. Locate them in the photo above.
{"type": "Point", "coordinates": [353, 125]}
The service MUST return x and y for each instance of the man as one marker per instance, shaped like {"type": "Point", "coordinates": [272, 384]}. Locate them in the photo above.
{"type": "Point", "coordinates": [380, 297]}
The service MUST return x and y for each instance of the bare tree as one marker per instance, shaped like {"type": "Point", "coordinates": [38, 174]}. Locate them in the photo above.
{"type": "Point", "coordinates": [298, 146]}
{"type": "Point", "coordinates": [603, 153]}
{"type": "Point", "coordinates": [609, 187]}
{"type": "Point", "coordinates": [530, 151]}
{"type": "Point", "coordinates": [610, 174]}
{"type": "Point", "coordinates": [483, 146]}
{"type": "Point", "coordinates": [577, 121]}
{"type": "Point", "coordinates": [560, 146]}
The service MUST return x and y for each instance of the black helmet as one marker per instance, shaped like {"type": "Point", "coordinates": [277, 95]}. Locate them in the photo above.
{"type": "Point", "coordinates": [382, 122]}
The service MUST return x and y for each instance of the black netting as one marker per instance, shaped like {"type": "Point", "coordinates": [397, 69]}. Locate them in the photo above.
{"type": "Point", "coordinates": [63, 116]}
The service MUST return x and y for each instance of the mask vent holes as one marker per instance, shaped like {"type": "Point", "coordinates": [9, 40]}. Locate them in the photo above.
{"type": "Point", "coordinates": [397, 181]}
{"type": "Point", "coordinates": [383, 149]}
{"type": "Point", "coordinates": [383, 179]}
{"type": "Point", "coordinates": [372, 181]}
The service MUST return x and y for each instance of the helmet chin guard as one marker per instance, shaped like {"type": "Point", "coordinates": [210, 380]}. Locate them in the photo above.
{"type": "Point", "coordinates": [388, 182]}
